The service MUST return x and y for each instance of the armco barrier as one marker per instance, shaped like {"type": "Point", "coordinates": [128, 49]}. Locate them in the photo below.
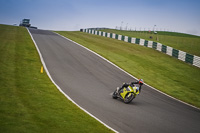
{"type": "Point", "coordinates": [181, 55]}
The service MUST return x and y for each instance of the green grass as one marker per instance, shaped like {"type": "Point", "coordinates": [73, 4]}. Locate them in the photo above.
{"type": "Point", "coordinates": [159, 70]}
{"type": "Point", "coordinates": [180, 41]}
{"type": "Point", "coordinates": [29, 102]}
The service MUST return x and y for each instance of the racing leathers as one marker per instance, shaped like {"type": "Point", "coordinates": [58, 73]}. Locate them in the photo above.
{"type": "Point", "coordinates": [132, 84]}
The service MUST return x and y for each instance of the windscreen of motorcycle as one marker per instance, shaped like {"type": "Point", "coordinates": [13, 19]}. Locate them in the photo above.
{"type": "Point", "coordinates": [129, 88]}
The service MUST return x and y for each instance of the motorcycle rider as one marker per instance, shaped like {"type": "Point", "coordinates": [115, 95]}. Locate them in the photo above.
{"type": "Point", "coordinates": [132, 84]}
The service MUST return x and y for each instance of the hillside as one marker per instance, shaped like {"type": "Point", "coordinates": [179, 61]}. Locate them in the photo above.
{"type": "Point", "coordinates": [29, 101]}
{"type": "Point", "coordinates": [159, 70]}
{"type": "Point", "coordinates": [180, 41]}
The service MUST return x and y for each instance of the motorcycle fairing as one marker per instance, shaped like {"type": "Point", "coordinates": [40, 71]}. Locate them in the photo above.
{"type": "Point", "coordinates": [129, 89]}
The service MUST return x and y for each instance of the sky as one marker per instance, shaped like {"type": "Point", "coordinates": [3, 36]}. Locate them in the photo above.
{"type": "Point", "coordinates": [69, 15]}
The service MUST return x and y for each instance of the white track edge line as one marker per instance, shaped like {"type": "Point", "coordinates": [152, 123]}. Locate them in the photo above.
{"type": "Point", "coordinates": [128, 73]}
{"type": "Point", "coordinates": [44, 65]}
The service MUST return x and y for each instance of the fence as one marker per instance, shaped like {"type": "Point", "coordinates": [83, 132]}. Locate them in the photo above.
{"type": "Point", "coordinates": [181, 55]}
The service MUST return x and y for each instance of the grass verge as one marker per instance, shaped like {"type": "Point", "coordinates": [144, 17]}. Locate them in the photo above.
{"type": "Point", "coordinates": [165, 73]}
{"type": "Point", "coordinates": [180, 41]}
{"type": "Point", "coordinates": [29, 102]}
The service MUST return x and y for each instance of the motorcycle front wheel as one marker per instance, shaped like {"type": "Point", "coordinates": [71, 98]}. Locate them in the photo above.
{"type": "Point", "coordinates": [129, 97]}
{"type": "Point", "coordinates": [115, 94]}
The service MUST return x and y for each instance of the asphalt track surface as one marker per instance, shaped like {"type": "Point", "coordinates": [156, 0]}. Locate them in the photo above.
{"type": "Point", "coordinates": [89, 80]}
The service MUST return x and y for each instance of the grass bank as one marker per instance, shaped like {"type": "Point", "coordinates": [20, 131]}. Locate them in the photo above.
{"type": "Point", "coordinates": [29, 102]}
{"type": "Point", "coordinates": [180, 41]}
{"type": "Point", "coordinates": [165, 73]}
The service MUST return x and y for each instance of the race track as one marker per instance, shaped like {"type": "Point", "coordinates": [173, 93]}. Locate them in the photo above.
{"type": "Point", "coordinates": [89, 80]}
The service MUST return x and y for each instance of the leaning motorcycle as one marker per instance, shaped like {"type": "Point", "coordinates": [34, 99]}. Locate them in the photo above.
{"type": "Point", "coordinates": [127, 94]}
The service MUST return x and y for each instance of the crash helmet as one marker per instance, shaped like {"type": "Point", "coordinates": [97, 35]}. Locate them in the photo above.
{"type": "Point", "coordinates": [141, 82]}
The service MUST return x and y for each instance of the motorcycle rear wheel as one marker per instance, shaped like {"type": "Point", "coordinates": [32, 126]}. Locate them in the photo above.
{"type": "Point", "coordinates": [128, 98]}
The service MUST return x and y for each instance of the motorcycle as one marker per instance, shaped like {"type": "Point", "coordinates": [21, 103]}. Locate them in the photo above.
{"type": "Point", "coordinates": [127, 94]}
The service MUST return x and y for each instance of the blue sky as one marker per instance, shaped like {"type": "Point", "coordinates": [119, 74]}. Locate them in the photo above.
{"type": "Point", "coordinates": [172, 15]}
